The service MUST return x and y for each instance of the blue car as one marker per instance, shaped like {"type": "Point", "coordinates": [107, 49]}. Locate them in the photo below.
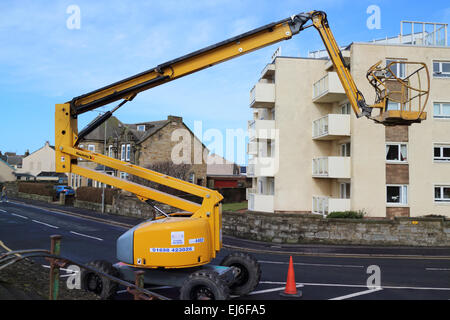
{"type": "Point", "coordinates": [65, 189]}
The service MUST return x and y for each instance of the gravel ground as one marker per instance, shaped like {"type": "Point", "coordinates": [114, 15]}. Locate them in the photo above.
{"type": "Point", "coordinates": [28, 280]}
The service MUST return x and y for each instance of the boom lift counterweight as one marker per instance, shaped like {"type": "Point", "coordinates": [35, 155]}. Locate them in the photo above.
{"type": "Point", "coordinates": [184, 244]}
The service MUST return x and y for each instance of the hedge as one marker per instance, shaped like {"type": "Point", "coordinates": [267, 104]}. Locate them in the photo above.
{"type": "Point", "coordinates": [92, 194]}
{"type": "Point", "coordinates": [42, 189]}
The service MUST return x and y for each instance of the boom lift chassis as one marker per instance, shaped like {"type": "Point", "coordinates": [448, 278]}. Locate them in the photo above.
{"type": "Point", "coordinates": [177, 249]}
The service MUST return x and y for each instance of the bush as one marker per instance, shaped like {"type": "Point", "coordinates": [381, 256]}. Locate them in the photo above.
{"type": "Point", "coordinates": [346, 215]}
{"type": "Point", "coordinates": [42, 189]}
{"type": "Point", "coordinates": [91, 194]}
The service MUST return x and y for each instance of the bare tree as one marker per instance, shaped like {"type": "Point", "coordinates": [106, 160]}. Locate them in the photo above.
{"type": "Point", "coordinates": [179, 171]}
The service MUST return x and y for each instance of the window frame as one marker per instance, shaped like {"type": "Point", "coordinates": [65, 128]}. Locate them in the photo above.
{"type": "Point", "coordinates": [399, 144]}
{"type": "Point", "coordinates": [398, 67]}
{"type": "Point", "coordinates": [128, 152]}
{"type": "Point", "coordinates": [345, 149]}
{"type": "Point", "coordinates": [346, 108]}
{"type": "Point", "coordinates": [91, 147]}
{"type": "Point", "coordinates": [440, 116]}
{"type": "Point", "coordinates": [141, 127]}
{"type": "Point", "coordinates": [440, 74]}
{"type": "Point", "coordinates": [441, 200]}
{"type": "Point", "coordinates": [404, 196]}
{"type": "Point", "coordinates": [122, 152]}
{"type": "Point", "coordinates": [441, 158]}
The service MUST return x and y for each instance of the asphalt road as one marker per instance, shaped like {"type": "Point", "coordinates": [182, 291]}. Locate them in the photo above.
{"type": "Point", "coordinates": [321, 272]}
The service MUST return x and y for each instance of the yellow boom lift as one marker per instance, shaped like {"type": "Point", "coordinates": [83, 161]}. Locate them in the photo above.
{"type": "Point", "coordinates": [177, 249]}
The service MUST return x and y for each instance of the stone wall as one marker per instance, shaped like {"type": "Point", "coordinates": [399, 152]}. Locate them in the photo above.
{"type": "Point", "coordinates": [124, 205]}
{"type": "Point", "coordinates": [33, 197]}
{"type": "Point", "coordinates": [304, 229]}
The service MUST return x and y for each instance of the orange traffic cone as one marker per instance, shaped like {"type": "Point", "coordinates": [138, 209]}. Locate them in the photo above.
{"type": "Point", "coordinates": [291, 286]}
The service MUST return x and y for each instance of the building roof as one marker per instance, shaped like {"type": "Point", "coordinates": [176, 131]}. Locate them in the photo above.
{"type": "Point", "coordinates": [51, 174]}
{"type": "Point", "coordinates": [4, 162]}
{"type": "Point", "coordinates": [14, 160]}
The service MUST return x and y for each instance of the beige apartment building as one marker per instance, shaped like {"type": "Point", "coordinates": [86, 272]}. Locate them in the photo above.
{"type": "Point", "coordinates": [309, 153]}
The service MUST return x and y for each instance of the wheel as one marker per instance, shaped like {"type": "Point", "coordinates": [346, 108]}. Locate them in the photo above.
{"type": "Point", "coordinates": [204, 285]}
{"type": "Point", "coordinates": [93, 282]}
{"type": "Point", "coordinates": [248, 272]}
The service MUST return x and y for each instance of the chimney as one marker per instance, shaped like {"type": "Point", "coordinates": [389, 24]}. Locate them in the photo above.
{"type": "Point", "coordinates": [175, 119]}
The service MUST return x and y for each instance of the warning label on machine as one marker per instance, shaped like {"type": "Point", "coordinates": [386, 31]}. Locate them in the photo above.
{"type": "Point", "coordinates": [177, 238]}
{"type": "Point", "coordinates": [172, 250]}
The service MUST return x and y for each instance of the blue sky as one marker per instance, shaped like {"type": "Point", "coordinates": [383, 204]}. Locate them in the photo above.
{"type": "Point", "coordinates": [42, 62]}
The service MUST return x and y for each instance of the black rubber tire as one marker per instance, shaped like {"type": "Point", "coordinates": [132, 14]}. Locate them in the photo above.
{"type": "Point", "coordinates": [204, 285]}
{"type": "Point", "coordinates": [249, 272]}
{"type": "Point", "coordinates": [93, 282]}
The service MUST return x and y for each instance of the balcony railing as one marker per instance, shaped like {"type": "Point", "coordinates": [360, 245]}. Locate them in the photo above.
{"type": "Point", "coordinates": [331, 127]}
{"type": "Point", "coordinates": [332, 167]}
{"type": "Point", "coordinates": [328, 89]}
{"type": "Point", "coordinates": [260, 203]}
{"type": "Point", "coordinates": [262, 129]}
{"type": "Point", "coordinates": [262, 167]}
{"type": "Point", "coordinates": [325, 205]}
{"type": "Point", "coordinates": [262, 95]}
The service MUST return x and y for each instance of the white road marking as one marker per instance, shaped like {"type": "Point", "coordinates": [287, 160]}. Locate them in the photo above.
{"type": "Point", "coordinates": [45, 224]}
{"type": "Point", "coordinates": [437, 269]}
{"type": "Point", "coordinates": [3, 211]}
{"type": "Point", "coordinates": [151, 288]}
{"type": "Point", "coordinates": [85, 235]}
{"type": "Point", "coordinates": [298, 285]}
{"type": "Point", "coordinates": [18, 215]}
{"type": "Point", "coordinates": [357, 294]}
{"type": "Point", "coordinates": [359, 286]}
{"type": "Point", "coordinates": [314, 264]}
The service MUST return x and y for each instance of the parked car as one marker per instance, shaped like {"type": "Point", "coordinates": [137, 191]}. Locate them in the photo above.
{"type": "Point", "coordinates": [66, 189]}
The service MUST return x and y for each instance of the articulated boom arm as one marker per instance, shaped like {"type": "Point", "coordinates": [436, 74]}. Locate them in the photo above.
{"type": "Point", "coordinates": [67, 136]}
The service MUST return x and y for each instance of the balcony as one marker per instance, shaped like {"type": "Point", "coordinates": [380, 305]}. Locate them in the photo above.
{"type": "Point", "coordinates": [332, 168]}
{"type": "Point", "coordinates": [252, 148]}
{"type": "Point", "coordinates": [326, 205]}
{"type": "Point", "coordinates": [268, 72]}
{"type": "Point", "coordinates": [262, 95]}
{"type": "Point", "coordinates": [331, 127]}
{"type": "Point", "coordinates": [328, 89]}
{"type": "Point", "coordinates": [262, 167]}
{"type": "Point", "coordinates": [261, 129]}
{"type": "Point", "coordinates": [260, 203]}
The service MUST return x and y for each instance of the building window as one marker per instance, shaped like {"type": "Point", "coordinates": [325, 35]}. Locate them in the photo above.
{"type": "Point", "coordinates": [191, 178]}
{"type": "Point", "coordinates": [110, 151]}
{"type": "Point", "coordinates": [81, 147]}
{"type": "Point", "coordinates": [345, 190]}
{"type": "Point", "coordinates": [441, 69]}
{"type": "Point", "coordinates": [442, 194]}
{"type": "Point", "coordinates": [91, 148]}
{"type": "Point", "coordinates": [442, 153]}
{"type": "Point", "coordinates": [397, 69]}
{"type": "Point", "coordinates": [396, 152]}
{"type": "Point", "coordinates": [122, 152]}
{"type": "Point", "coordinates": [141, 127]}
{"type": "Point", "coordinates": [397, 195]}
{"type": "Point", "coordinates": [395, 106]}
{"type": "Point", "coordinates": [442, 110]}
{"type": "Point", "coordinates": [346, 150]}
{"type": "Point", "coordinates": [124, 175]}
{"type": "Point", "coordinates": [346, 109]}
{"type": "Point", "coordinates": [128, 152]}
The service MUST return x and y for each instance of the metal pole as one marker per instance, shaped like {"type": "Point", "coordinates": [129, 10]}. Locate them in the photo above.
{"type": "Point", "coordinates": [104, 170]}
{"type": "Point", "coordinates": [55, 249]}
